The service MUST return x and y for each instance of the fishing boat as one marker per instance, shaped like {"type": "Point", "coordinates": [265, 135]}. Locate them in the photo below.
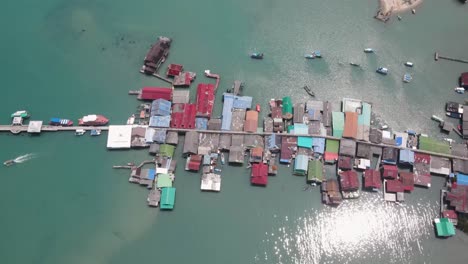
{"type": "Point", "coordinates": [9, 162]}
{"type": "Point", "coordinates": [309, 56]}
{"type": "Point", "coordinates": [368, 50]}
{"type": "Point", "coordinates": [60, 122]}
{"type": "Point", "coordinates": [460, 90]}
{"type": "Point", "coordinates": [407, 78]}
{"type": "Point", "coordinates": [257, 107]}
{"type": "Point", "coordinates": [454, 115]}
{"type": "Point", "coordinates": [354, 64]}
{"type": "Point", "coordinates": [309, 91]}
{"type": "Point", "coordinates": [317, 54]}
{"type": "Point", "coordinates": [20, 113]}
{"type": "Point", "coordinates": [409, 64]}
{"type": "Point", "coordinates": [95, 132]}
{"type": "Point", "coordinates": [256, 55]}
{"type": "Point", "coordinates": [217, 170]}
{"type": "Point", "coordinates": [223, 160]}
{"type": "Point", "coordinates": [131, 120]}
{"type": "Point", "coordinates": [382, 70]}
{"type": "Point", "coordinates": [80, 132]}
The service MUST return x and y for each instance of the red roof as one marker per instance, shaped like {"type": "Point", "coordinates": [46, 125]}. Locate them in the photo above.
{"type": "Point", "coordinates": [276, 112]}
{"type": "Point", "coordinates": [251, 121]}
{"type": "Point", "coordinates": [183, 116]}
{"type": "Point", "coordinates": [458, 198]}
{"type": "Point", "coordinates": [372, 179]}
{"type": "Point", "coordinates": [464, 80]}
{"type": "Point", "coordinates": [451, 214]}
{"type": "Point", "coordinates": [422, 158]}
{"type": "Point", "coordinates": [390, 171]}
{"type": "Point", "coordinates": [205, 99]}
{"type": "Point", "coordinates": [330, 156]}
{"type": "Point", "coordinates": [174, 69]}
{"type": "Point", "coordinates": [287, 148]}
{"type": "Point", "coordinates": [407, 179]}
{"type": "Point", "coordinates": [153, 93]}
{"type": "Point", "coordinates": [349, 181]}
{"type": "Point", "coordinates": [351, 125]}
{"type": "Point", "coordinates": [259, 174]}
{"type": "Point", "coordinates": [195, 162]}
{"type": "Point", "coordinates": [394, 186]}
{"type": "Point", "coordinates": [422, 180]}
{"type": "Point", "coordinates": [345, 163]}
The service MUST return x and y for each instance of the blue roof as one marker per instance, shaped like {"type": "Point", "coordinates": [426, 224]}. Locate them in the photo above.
{"type": "Point", "coordinates": [151, 174]}
{"type": "Point", "coordinates": [301, 162]}
{"type": "Point", "coordinates": [159, 136]}
{"type": "Point", "coordinates": [201, 123]}
{"type": "Point", "coordinates": [301, 129]}
{"type": "Point", "coordinates": [55, 120]}
{"type": "Point", "coordinates": [160, 121]}
{"type": "Point", "coordinates": [271, 142]}
{"type": "Point", "coordinates": [149, 135]}
{"type": "Point", "coordinates": [161, 107]}
{"type": "Point", "coordinates": [304, 142]}
{"type": "Point", "coordinates": [242, 102]}
{"type": "Point", "coordinates": [227, 111]}
{"type": "Point", "coordinates": [406, 156]}
{"type": "Point", "coordinates": [319, 145]}
{"type": "Point", "coordinates": [462, 179]}
{"type": "Point", "coordinates": [365, 117]}
{"type": "Point", "coordinates": [398, 141]}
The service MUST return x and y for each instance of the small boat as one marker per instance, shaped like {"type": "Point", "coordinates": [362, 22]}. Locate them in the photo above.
{"type": "Point", "coordinates": [80, 132]}
{"type": "Point", "coordinates": [131, 120]}
{"type": "Point", "coordinates": [217, 170]}
{"type": "Point", "coordinates": [309, 91]}
{"type": "Point", "coordinates": [9, 162]}
{"type": "Point", "coordinates": [454, 115]}
{"type": "Point", "coordinates": [407, 78]}
{"type": "Point", "coordinates": [413, 11]}
{"type": "Point", "coordinates": [436, 118]}
{"type": "Point", "coordinates": [256, 55]}
{"type": "Point", "coordinates": [382, 70]}
{"type": "Point", "coordinates": [309, 56]}
{"type": "Point", "coordinates": [223, 160]}
{"type": "Point", "coordinates": [409, 64]}
{"type": "Point", "coordinates": [354, 64]}
{"type": "Point", "coordinates": [460, 90]}
{"type": "Point", "coordinates": [317, 54]}
{"type": "Point", "coordinates": [20, 113]}
{"type": "Point", "coordinates": [95, 132]}
{"type": "Point", "coordinates": [60, 122]}
{"type": "Point", "coordinates": [257, 108]}
{"type": "Point", "coordinates": [399, 17]}
{"type": "Point", "coordinates": [383, 127]}
{"type": "Point", "coordinates": [368, 50]}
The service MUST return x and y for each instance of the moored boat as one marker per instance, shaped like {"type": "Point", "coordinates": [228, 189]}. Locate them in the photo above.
{"type": "Point", "coordinates": [368, 50]}
{"type": "Point", "coordinates": [409, 64]}
{"type": "Point", "coordinates": [354, 64]}
{"type": "Point", "coordinates": [256, 55]}
{"type": "Point", "coordinates": [460, 90]}
{"type": "Point", "coordinates": [9, 162]}
{"type": "Point", "coordinates": [309, 91]}
{"type": "Point", "coordinates": [93, 120]}
{"type": "Point", "coordinates": [20, 113]}
{"type": "Point", "coordinates": [131, 120]}
{"type": "Point", "coordinates": [223, 160]}
{"type": "Point", "coordinates": [60, 122]}
{"type": "Point", "coordinates": [80, 132]}
{"type": "Point", "coordinates": [95, 132]}
{"type": "Point", "coordinates": [407, 78]}
{"type": "Point", "coordinates": [317, 54]}
{"type": "Point", "coordinates": [382, 70]}
{"type": "Point", "coordinates": [309, 56]}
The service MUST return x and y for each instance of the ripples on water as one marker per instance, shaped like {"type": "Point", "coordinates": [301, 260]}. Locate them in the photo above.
{"type": "Point", "coordinates": [364, 229]}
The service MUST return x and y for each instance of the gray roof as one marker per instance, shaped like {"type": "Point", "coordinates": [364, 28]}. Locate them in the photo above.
{"type": "Point", "coordinates": [191, 142]}
{"type": "Point", "coordinates": [268, 124]}
{"type": "Point", "coordinates": [209, 140]}
{"type": "Point", "coordinates": [459, 150]}
{"type": "Point", "coordinates": [154, 148]}
{"type": "Point", "coordinates": [237, 140]}
{"type": "Point", "coordinates": [347, 147]}
{"type": "Point", "coordinates": [299, 112]}
{"type": "Point", "coordinates": [460, 166]}
{"type": "Point", "coordinates": [172, 138]}
{"type": "Point", "coordinates": [315, 104]}
{"type": "Point", "coordinates": [237, 119]}
{"type": "Point", "coordinates": [375, 135]}
{"type": "Point", "coordinates": [236, 154]}
{"type": "Point", "coordinates": [390, 153]}
{"type": "Point", "coordinates": [225, 141]}
{"type": "Point", "coordinates": [180, 96]}
{"type": "Point", "coordinates": [363, 150]}
{"type": "Point", "coordinates": [214, 124]}
{"type": "Point", "coordinates": [252, 141]}
{"type": "Point", "coordinates": [327, 113]}
{"type": "Point", "coordinates": [314, 127]}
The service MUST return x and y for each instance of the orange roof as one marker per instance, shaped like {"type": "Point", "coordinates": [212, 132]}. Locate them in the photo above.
{"type": "Point", "coordinates": [351, 125]}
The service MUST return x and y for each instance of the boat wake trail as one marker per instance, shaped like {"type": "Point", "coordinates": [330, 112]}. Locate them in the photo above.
{"type": "Point", "coordinates": [24, 158]}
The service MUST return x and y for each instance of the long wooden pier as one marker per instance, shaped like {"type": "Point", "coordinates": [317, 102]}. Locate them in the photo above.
{"type": "Point", "coordinates": [437, 57]}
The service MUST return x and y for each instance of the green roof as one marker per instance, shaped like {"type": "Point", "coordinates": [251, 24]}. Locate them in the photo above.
{"type": "Point", "coordinates": [304, 142]}
{"type": "Point", "coordinates": [338, 124]}
{"type": "Point", "coordinates": [287, 105]}
{"type": "Point", "coordinates": [315, 171]}
{"type": "Point", "coordinates": [433, 145]}
{"type": "Point", "coordinates": [163, 180]}
{"type": "Point", "coordinates": [332, 146]}
{"type": "Point", "coordinates": [166, 150]}
{"type": "Point", "coordinates": [444, 227]}
{"type": "Point", "coordinates": [365, 117]}
{"type": "Point", "coordinates": [167, 198]}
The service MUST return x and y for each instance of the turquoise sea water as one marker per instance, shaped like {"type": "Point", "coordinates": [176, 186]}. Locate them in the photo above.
{"type": "Point", "coordinates": [70, 58]}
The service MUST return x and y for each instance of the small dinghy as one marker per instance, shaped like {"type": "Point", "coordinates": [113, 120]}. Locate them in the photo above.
{"type": "Point", "coordinates": [460, 90]}
{"type": "Point", "coordinates": [368, 50]}
{"type": "Point", "coordinates": [309, 91]}
{"type": "Point", "coordinates": [382, 70]}
{"type": "Point", "coordinates": [256, 55]}
{"type": "Point", "coordinates": [407, 78]}
{"type": "Point", "coordinates": [409, 64]}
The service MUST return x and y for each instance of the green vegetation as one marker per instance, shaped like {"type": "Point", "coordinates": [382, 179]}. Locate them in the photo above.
{"type": "Point", "coordinates": [433, 145]}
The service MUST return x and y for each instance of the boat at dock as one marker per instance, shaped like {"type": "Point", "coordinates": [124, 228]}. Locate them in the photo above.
{"type": "Point", "coordinates": [95, 132]}
{"type": "Point", "coordinates": [460, 90]}
{"type": "Point", "coordinates": [309, 56]}
{"type": "Point", "coordinates": [309, 91]}
{"type": "Point", "coordinates": [80, 132]}
{"type": "Point", "coordinates": [407, 78]}
{"type": "Point", "coordinates": [382, 70]}
{"type": "Point", "coordinates": [257, 108]}
{"type": "Point", "coordinates": [409, 64]}
{"type": "Point", "coordinates": [131, 120]}
{"type": "Point", "coordinates": [354, 64]}
{"type": "Point", "coordinates": [60, 122]}
{"type": "Point", "coordinates": [20, 113]}
{"type": "Point", "coordinates": [256, 55]}
{"type": "Point", "coordinates": [93, 120]}
{"type": "Point", "coordinates": [368, 50]}
{"type": "Point", "coordinates": [436, 118]}
{"type": "Point", "coordinates": [223, 159]}
{"type": "Point", "coordinates": [9, 162]}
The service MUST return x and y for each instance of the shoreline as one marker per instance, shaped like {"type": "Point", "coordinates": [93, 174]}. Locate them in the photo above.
{"type": "Point", "coordinates": [387, 8]}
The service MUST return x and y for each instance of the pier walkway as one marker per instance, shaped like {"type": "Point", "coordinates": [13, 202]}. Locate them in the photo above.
{"type": "Point", "coordinates": [10, 128]}
{"type": "Point", "coordinates": [437, 57]}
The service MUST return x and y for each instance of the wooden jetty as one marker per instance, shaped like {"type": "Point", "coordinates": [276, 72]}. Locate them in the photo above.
{"type": "Point", "coordinates": [162, 78]}
{"type": "Point", "coordinates": [437, 57]}
{"type": "Point", "coordinates": [214, 76]}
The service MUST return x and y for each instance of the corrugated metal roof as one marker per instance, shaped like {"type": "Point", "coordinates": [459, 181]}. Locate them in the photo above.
{"type": "Point", "coordinates": [315, 105]}
{"type": "Point", "coordinates": [351, 105]}
{"type": "Point", "coordinates": [347, 147]}
{"type": "Point", "coordinates": [148, 135]}
{"type": "Point", "coordinates": [462, 179]}
{"type": "Point", "coordinates": [181, 96]}
{"type": "Point", "coordinates": [301, 129]}
{"type": "Point", "coordinates": [304, 142]}
{"type": "Point", "coordinates": [161, 107]}
{"type": "Point", "coordinates": [315, 171]}
{"type": "Point", "coordinates": [227, 111]}
{"type": "Point", "coordinates": [119, 137]}
{"type": "Point", "coordinates": [327, 114]}
{"type": "Point", "coordinates": [191, 142]}
{"type": "Point", "coordinates": [237, 120]}
{"type": "Point", "coordinates": [153, 93]}
{"type": "Point", "coordinates": [350, 128]}
{"type": "Point", "coordinates": [319, 145]}
{"type": "Point", "coordinates": [365, 116]}
{"type": "Point", "coordinates": [332, 145]}
{"type": "Point", "coordinates": [214, 124]}
{"type": "Point", "coordinates": [372, 179]}
{"type": "Point", "coordinates": [300, 164]}
{"type": "Point", "coordinates": [363, 133]}
{"type": "Point", "coordinates": [406, 156]}
{"type": "Point", "coordinates": [259, 175]}
{"type": "Point", "coordinates": [338, 124]}
{"type": "Point", "coordinates": [349, 181]}
{"type": "Point", "coordinates": [159, 121]}
{"type": "Point", "coordinates": [251, 121]}
{"type": "Point", "coordinates": [166, 150]}
{"type": "Point", "coordinates": [205, 99]}
{"type": "Point", "coordinates": [242, 102]}
{"type": "Point", "coordinates": [299, 113]}
{"type": "Point", "coordinates": [287, 110]}
{"type": "Point", "coordinates": [159, 135]}
{"type": "Point", "coordinates": [201, 123]}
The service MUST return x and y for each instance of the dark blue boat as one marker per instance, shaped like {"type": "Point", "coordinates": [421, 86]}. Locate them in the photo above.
{"type": "Point", "coordinates": [256, 55]}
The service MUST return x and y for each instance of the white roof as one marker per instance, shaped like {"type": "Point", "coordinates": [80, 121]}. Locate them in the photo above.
{"type": "Point", "coordinates": [89, 118]}
{"type": "Point", "coordinates": [17, 120]}
{"type": "Point", "coordinates": [119, 137]}
{"type": "Point", "coordinates": [34, 126]}
{"type": "Point", "coordinates": [211, 182]}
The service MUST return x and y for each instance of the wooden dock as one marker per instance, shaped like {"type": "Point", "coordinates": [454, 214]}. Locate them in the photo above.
{"type": "Point", "coordinates": [214, 76]}
{"type": "Point", "coordinates": [437, 57]}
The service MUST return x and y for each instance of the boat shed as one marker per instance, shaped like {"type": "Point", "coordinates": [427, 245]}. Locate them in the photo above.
{"type": "Point", "coordinates": [191, 143]}
{"type": "Point", "coordinates": [390, 155]}
{"type": "Point", "coordinates": [211, 182]}
{"type": "Point", "coordinates": [331, 150]}
{"type": "Point", "coordinates": [259, 175]}
{"type": "Point", "coordinates": [236, 154]}
{"type": "Point", "coordinates": [214, 124]}
{"type": "Point", "coordinates": [299, 113]}
{"type": "Point", "coordinates": [161, 107]}
{"type": "Point", "coordinates": [300, 165]}
{"type": "Point", "coordinates": [153, 93]}
{"type": "Point", "coordinates": [119, 137]}
{"type": "Point", "coordinates": [347, 147]}
{"type": "Point", "coordinates": [251, 121]}
{"type": "Point", "coordinates": [205, 99]}
{"type": "Point", "coordinates": [390, 172]}
{"type": "Point", "coordinates": [372, 180]}
{"type": "Point", "coordinates": [406, 157]}
{"type": "Point", "coordinates": [440, 165]}
{"type": "Point", "coordinates": [315, 171]}
{"type": "Point", "coordinates": [349, 181]}
{"type": "Point", "coordinates": [167, 198]}
{"type": "Point", "coordinates": [338, 121]}
{"type": "Point", "coordinates": [34, 126]}
{"type": "Point", "coordinates": [160, 121]}
{"type": "Point", "coordinates": [351, 125]}
{"type": "Point", "coordinates": [407, 179]}
{"type": "Point", "coordinates": [180, 96]}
